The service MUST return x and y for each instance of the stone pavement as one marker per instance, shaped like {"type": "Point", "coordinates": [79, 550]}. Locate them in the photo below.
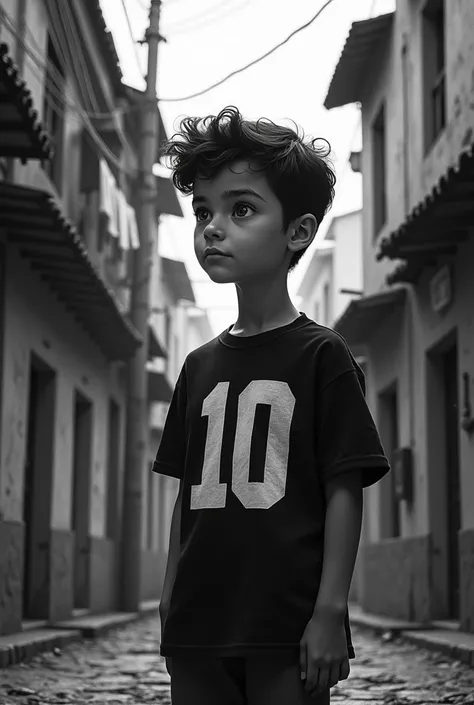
{"type": "Point", "coordinates": [124, 667]}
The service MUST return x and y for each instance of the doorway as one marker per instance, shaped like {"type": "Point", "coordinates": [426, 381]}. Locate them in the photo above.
{"type": "Point", "coordinates": [38, 482]}
{"type": "Point", "coordinates": [389, 505]}
{"type": "Point", "coordinates": [449, 365]}
{"type": "Point", "coordinates": [81, 498]}
{"type": "Point", "coordinates": [444, 478]}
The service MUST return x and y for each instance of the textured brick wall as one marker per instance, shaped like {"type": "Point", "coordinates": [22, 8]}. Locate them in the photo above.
{"type": "Point", "coordinates": [396, 578]}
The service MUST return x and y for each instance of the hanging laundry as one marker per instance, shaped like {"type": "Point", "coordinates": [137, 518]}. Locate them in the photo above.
{"type": "Point", "coordinates": [122, 207]}
{"type": "Point", "coordinates": [133, 229]}
{"type": "Point", "coordinates": [108, 198]}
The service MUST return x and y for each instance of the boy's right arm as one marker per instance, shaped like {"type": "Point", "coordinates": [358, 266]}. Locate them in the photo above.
{"type": "Point", "coordinates": [173, 556]}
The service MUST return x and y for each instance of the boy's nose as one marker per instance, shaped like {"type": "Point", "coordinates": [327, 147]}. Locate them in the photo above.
{"type": "Point", "coordinates": [213, 231]}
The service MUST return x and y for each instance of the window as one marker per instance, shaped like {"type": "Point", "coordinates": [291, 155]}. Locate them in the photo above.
{"type": "Point", "coordinates": [53, 115]}
{"type": "Point", "coordinates": [379, 171]}
{"type": "Point", "coordinates": [434, 70]}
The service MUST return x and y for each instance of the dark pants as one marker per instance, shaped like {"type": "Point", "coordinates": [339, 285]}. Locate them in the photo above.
{"type": "Point", "coordinates": [253, 680]}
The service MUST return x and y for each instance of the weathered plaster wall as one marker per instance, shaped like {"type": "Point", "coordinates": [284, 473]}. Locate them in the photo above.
{"type": "Point", "coordinates": [36, 322]}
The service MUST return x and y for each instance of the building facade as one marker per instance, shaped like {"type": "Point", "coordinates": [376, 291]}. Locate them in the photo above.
{"type": "Point", "coordinates": [68, 229]}
{"type": "Point", "coordinates": [334, 274]}
{"type": "Point", "coordinates": [412, 71]}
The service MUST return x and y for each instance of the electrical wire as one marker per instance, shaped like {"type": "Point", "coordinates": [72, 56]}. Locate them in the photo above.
{"type": "Point", "coordinates": [59, 20]}
{"type": "Point", "coordinates": [207, 16]}
{"type": "Point", "coordinates": [68, 15]}
{"type": "Point", "coordinates": [99, 142]}
{"type": "Point", "coordinates": [251, 63]}
{"type": "Point", "coordinates": [55, 87]}
{"type": "Point", "coordinates": [134, 42]}
{"type": "Point", "coordinates": [180, 28]}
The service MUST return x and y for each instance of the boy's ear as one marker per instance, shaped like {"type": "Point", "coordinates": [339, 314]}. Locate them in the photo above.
{"type": "Point", "coordinates": [302, 232]}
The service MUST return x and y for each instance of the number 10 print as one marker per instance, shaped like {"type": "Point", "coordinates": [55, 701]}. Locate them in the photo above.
{"type": "Point", "coordinates": [211, 494]}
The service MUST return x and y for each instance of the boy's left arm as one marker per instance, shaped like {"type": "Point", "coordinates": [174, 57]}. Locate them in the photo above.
{"type": "Point", "coordinates": [323, 649]}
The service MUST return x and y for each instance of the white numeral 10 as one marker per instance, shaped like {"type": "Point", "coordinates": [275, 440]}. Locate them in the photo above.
{"type": "Point", "coordinates": [211, 494]}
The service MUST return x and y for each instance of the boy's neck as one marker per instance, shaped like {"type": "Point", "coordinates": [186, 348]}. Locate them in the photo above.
{"type": "Point", "coordinates": [262, 307]}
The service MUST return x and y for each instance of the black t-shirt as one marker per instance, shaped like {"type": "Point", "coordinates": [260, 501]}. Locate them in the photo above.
{"type": "Point", "coordinates": [255, 427]}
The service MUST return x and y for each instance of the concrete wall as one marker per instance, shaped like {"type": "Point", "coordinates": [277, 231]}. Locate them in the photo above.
{"type": "Point", "coordinates": [401, 350]}
{"type": "Point", "coordinates": [347, 260]}
{"type": "Point", "coordinates": [406, 156]}
{"type": "Point", "coordinates": [339, 267]}
{"type": "Point", "coordinates": [37, 323]}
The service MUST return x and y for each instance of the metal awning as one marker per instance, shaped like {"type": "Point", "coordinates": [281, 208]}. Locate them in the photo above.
{"type": "Point", "coordinates": [21, 133]}
{"type": "Point", "coordinates": [176, 277]}
{"type": "Point", "coordinates": [348, 81]}
{"type": "Point", "coordinates": [32, 220]}
{"type": "Point", "coordinates": [363, 315]}
{"type": "Point", "coordinates": [155, 348]}
{"type": "Point", "coordinates": [436, 226]}
{"type": "Point", "coordinates": [159, 388]}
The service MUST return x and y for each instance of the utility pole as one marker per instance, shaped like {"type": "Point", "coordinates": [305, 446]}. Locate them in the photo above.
{"type": "Point", "coordinates": [137, 403]}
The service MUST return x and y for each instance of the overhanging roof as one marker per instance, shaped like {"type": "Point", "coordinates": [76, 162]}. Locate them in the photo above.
{"type": "Point", "coordinates": [132, 116]}
{"type": "Point", "coordinates": [363, 315]}
{"type": "Point", "coordinates": [105, 42]}
{"type": "Point", "coordinates": [437, 225]}
{"type": "Point", "coordinates": [167, 202]}
{"type": "Point", "coordinates": [358, 53]}
{"type": "Point", "coordinates": [53, 247]}
{"type": "Point", "coordinates": [155, 348]}
{"type": "Point", "coordinates": [159, 388]}
{"type": "Point", "coordinates": [176, 277]}
{"type": "Point", "coordinates": [21, 133]}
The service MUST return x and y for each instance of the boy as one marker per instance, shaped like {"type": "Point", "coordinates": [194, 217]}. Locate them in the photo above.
{"type": "Point", "coordinates": [269, 434]}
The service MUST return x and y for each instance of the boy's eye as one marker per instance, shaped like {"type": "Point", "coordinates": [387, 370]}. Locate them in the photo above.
{"type": "Point", "coordinates": [201, 214]}
{"type": "Point", "coordinates": [243, 209]}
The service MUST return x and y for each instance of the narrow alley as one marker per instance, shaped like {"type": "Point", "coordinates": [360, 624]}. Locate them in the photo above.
{"type": "Point", "coordinates": [124, 668]}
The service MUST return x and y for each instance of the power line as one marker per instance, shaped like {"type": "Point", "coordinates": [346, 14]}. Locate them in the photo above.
{"type": "Point", "coordinates": [135, 48]}
{"type": "Point", "coordinates": [251, 63]}
{"type": "Point", "coordinates": [99, 142]}
{"type": "Point", "coordinates": [188, 29]}
{"type": "Point", "coordinates": [205, 18]}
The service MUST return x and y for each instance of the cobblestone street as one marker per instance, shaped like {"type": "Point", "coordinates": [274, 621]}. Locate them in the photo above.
{"type": "Point", "coordinates": [124, 668]}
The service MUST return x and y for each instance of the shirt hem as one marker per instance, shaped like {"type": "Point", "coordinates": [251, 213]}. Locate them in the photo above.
{"type": "Point", "coordinates": [170, 650]}
{"type": "Point", "coordinates": [367, 462]}
{"type": "Point", "coordinates": [166, 469]}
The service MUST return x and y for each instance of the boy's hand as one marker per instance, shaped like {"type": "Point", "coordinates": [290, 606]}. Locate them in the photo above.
{"type": "Point", "coordinates": [323, 653]}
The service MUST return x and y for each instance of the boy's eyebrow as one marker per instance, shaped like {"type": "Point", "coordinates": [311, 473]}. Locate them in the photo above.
{"type": "Point", "coordinates": [242, 192]}
{"type": "Point", "coordinates": [232, 193]}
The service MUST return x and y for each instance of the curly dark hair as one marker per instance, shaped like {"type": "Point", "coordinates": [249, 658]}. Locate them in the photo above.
{"type": "Point", "coordinates": [298, 171]}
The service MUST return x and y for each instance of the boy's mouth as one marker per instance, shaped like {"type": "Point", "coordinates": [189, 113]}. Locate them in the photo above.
{"type": "Point", "coordinates": [214, 252]}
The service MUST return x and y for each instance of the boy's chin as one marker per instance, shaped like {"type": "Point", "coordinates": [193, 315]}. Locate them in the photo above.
{"type": "Point", "coordinates": [221, 277]}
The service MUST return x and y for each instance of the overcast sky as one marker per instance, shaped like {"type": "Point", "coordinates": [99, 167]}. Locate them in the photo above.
{"type": "Point", "coordinates": [207, 40]}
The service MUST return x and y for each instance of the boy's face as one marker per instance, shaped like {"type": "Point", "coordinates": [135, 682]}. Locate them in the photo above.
{"type": "Point", "coordinates": [238, 214]}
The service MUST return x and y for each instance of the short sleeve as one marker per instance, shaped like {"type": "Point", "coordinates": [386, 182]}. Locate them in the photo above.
{"type": "Point", "coordinates": [170, 456]}
{"type": "Point", "coordinates": [346, 435]}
